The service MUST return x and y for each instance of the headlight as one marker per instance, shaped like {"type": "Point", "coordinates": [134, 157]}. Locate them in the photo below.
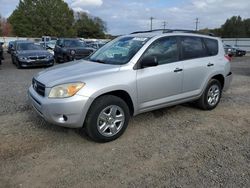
{"type": "Point", "coordinates": [72, 52]}
{"type": "Point", "coordinates": [23, 58]}
{"type": "Point", "coordinates": [65, 90]}
{"type": "Point", "coordinates": [50, 57]}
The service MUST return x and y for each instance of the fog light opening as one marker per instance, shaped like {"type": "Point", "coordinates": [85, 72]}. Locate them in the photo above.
{"type": "Point", "coordinates": [63, 118]}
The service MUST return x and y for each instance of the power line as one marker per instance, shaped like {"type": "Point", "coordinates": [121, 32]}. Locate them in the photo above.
{"type": "Point", "coordinates": [196, 23]}
{"type": "Point", "coordinates": [164, 25]}
{"type": "Point", "coordinates": [151, 23]}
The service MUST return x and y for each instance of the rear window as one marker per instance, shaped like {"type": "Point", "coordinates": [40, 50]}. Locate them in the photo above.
{"type": "Point", "coordinates": [212, 46]}
{"type": "Point", "coordinates": [192, 47]}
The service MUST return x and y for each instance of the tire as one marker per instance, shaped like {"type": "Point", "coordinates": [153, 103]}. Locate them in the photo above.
{"type": "Point", "coordinates": [18, 65]}
{"type": "Point", "coordinates": [57, 60]}
{"type": "Point", "coordinates": [12, 60]}
{"type": "Point", "coordinates": [211, 96]}
{"type": "Point", "coordinates": [107, 119]}
{"type": "Point", "coordinates": [65, 59]}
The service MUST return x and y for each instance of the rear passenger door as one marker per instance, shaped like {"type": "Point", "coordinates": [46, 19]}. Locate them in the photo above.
{"type": "Point", "coordinates": [196, 65]}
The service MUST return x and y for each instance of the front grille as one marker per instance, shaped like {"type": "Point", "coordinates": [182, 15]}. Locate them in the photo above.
{"type": "Point", "coordinates": [38, 87]}
{"type": "Point", "coordinates": [37, 57]}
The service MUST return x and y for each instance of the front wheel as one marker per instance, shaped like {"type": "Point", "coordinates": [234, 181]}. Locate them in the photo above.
{"type": "Point", "coordinates": [18, 64]}
{"type": "Point", "coordinates": [107, 118]}
{"type": "Point", "coordinates": [211, 96]}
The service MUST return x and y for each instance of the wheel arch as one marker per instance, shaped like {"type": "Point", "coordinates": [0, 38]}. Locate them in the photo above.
{"type": "Point", "coordinates": [220, 78]}
{"type": "Point", "coordinates": [124, 95]}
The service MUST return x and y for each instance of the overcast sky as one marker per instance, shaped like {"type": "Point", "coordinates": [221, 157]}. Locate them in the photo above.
{"type": "Point", "coordinates": [125, 16]}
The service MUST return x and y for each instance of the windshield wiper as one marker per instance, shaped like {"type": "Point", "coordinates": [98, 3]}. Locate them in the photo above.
{"type": "Point", "coordinates": [98, 61]}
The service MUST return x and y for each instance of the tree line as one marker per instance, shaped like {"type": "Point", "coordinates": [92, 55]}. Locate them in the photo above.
{"type": "Point", "coordinates": [36, 18]}
{"type": "Point", "coordinates": [234, 27]}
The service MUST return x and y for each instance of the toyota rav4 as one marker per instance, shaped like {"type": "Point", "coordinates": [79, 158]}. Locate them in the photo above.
{"type": "Point", "coordinates": [130, 75]}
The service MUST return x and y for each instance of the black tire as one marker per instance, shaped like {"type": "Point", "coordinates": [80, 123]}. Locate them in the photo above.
{"type": "Point", "coordinates": [18, 65]}
{"type": "Point", "coordinates": [65, 58]}
{"type": "Point", "coordinates": [91, 121]}
{"type": "Point", "coordinates": [12, 60]}
{"type": "Point", "coordinates": [203, 102]}
{"type": "Point", "coordinates": [57, 59]}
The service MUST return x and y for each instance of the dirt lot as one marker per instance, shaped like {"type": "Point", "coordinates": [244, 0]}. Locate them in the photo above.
{"type": "Point", "coordinates": [180, 146]}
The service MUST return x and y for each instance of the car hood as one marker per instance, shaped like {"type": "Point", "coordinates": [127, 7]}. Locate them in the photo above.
{"type": "Point", "coordinates": [76, 71]}
{"type": "Point", "coordinates": [33, 53]}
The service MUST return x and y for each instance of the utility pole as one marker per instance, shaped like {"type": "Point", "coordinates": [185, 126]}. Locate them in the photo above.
{"type": "Point", "coordinates": [164, 25]}
{"type": "Point", "coordinates": [196, 23]}
{"type": "Point", "coordinates": [151, 23]}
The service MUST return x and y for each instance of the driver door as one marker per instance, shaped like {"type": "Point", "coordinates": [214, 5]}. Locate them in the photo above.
{"type": "Point", "coordinates": [160, 84]}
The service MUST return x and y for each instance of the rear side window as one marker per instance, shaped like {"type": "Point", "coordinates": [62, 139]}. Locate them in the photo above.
{"type": "Point", "coordinates": [192, 47]}
{"type": "Point", "coordinates": [212, 46]}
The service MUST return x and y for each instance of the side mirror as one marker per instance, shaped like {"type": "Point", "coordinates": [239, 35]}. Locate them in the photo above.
{"type": "Point", "coordinates": [149, 61]}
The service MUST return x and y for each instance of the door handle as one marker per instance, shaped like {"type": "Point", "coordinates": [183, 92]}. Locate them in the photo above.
{"type": "Point", "coordinates": [210, 64]}
{"type": "Point", "coordinates": [178, 70]}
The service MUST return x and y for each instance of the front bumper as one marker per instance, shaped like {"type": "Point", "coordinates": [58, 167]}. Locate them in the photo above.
{"type": "Point", "coordinates": [37, 63]}
{"type": "Point", "coordinates": [228, 80]}
{"type": "Point", "coordinates": [66, 112]}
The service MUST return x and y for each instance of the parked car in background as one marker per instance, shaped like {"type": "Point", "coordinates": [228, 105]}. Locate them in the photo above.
{"type": "Point", "coordinates": [67, 49]}
{"type": "Point", "coordinates": [1, 52]}
{"type": "Point", "coordinates": [96, 45]}
{"type": "Point", "coordinates": [49, 46]}
{"type": "Point", "coordinates": [130, 75]}
{"type": "Point", "coordinates": [234, 51]}
{"type": "Point", "coordinates": [27, 54]}
{"type": "Point", "coordinates": [10, 45]}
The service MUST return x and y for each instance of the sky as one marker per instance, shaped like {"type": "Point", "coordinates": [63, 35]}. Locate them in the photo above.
{"type": "Point", "coordinates": [126, 16]}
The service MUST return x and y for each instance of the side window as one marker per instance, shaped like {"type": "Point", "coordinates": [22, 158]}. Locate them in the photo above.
{"type": "Point", "coordinates": [212, 46]}
{"type": "Point", "coordinates": [164, 49]}
{"type": "Point", "coordinates": [192, 47]}
{"type": "Point", "coordinates": [59, 42]}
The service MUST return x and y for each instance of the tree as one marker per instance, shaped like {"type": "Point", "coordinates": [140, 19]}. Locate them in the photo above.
{"type": "Point", "coordinates": [6, 29]}
{"type": "Point", "coordinates": [34, 18]}
{"type": "Point", "coordinates": [1, 26]}
{"type": "Point", "coordinates": [234, 27]}
{"type": "Point", "coordinates": [89, 27]}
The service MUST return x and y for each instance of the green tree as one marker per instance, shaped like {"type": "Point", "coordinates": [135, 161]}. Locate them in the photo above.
{"type": "Point", "coordinates": [34, 18]}
{"type": "Point", "coordinates": [247, 27]}
{"type": "Point", "coordinates": [89, 27]}
{"type": "Point", "coordinates": [234, 27]}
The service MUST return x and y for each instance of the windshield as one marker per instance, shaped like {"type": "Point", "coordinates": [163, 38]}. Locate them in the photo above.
{"type": "Point", "coordinates": [119, 51]}
{"type": "Point", "coordinates": [28, 46]}
{"type": "Point", "coordinates": [73, 43]}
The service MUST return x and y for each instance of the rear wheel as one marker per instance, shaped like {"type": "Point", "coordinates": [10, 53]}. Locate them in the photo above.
{"type": "Point", "coordinates": [211, 96]}
{"type": "Point", "coordinates": [107, 118]}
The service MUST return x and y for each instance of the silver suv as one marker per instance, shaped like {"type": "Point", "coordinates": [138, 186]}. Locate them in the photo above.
{"type": "Point", "coordinates": [130, 75]}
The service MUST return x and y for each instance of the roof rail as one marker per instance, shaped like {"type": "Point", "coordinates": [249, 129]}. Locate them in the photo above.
{"type": "Point", "coordinates": [187, 31]}
{"type": "Point", "coordinates": [148, 31]}
{"type": "Point", "coordinates": [174, 31]}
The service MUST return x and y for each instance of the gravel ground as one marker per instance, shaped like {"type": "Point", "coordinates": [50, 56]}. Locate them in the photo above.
{"type": "Point", "coordinates": [180, 146]}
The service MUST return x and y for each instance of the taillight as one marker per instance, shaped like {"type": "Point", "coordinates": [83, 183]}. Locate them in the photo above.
{"type": "Point", "coordinates": [229, 58]}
